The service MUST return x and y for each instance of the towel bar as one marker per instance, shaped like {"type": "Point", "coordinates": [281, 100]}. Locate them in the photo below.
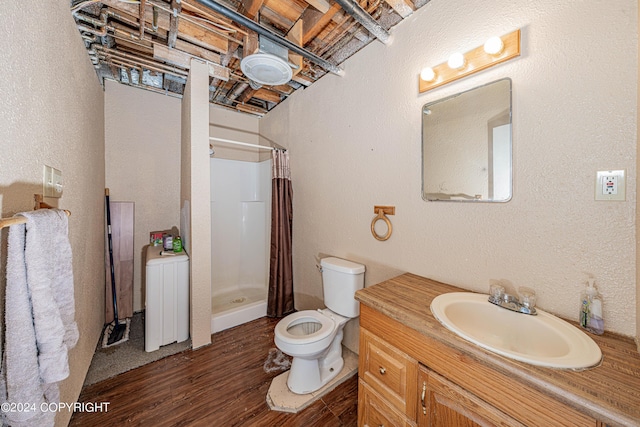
{"type": "Point", "coordinates": [382, 212]}
{"type": "Point", "coordinates": [7, 222]}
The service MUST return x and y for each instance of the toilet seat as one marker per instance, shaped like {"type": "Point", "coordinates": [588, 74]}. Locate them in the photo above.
{"type": "Point", "coordinates": [326, 327]}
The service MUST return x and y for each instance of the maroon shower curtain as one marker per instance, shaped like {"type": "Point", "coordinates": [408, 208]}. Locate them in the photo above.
{"type": "Point", "coordinates": [280, 299]}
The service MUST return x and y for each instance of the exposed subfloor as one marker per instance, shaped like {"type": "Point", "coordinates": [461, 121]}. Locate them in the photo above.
{"type": "Point", "coordinates": [223, 384]}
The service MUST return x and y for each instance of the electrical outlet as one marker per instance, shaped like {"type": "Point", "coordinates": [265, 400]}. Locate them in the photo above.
{"type": "Point", "coordinates": [610, 185]}
{"type": "Point", "coordinates": [51, 182]}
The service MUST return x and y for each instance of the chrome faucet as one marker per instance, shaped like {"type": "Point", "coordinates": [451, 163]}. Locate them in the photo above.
{"type": "Point", "coordinates": [525, 304]}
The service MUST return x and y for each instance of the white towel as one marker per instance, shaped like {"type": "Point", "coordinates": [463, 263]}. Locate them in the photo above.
{"type": "Point", "coordinates": [50, 279]}
{"type": "Point", "coordinates": [39, 315]}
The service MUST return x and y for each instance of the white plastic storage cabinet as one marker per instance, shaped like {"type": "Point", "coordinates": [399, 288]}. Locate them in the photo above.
{"type": "Point", "coordinates": [167, 298]}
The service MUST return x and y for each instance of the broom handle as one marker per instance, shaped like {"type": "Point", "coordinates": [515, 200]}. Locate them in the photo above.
{"type": "Point", "coordinates": [113, 277]}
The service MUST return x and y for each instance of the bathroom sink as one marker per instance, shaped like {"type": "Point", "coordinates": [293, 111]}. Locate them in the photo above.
{"type": "Point", "coordinates": [542, 340]}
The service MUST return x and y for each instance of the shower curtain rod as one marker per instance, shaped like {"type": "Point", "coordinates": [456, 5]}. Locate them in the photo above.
{"type": "Point", "coordinates": [246, 144]}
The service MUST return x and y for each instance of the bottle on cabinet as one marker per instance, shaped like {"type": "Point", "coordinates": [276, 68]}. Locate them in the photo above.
{"type": "Point", "coordinates": [591, 317]}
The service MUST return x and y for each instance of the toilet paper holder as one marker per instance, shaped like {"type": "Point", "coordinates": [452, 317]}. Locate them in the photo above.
{"type": "Point", "coordinates": [381, 214]}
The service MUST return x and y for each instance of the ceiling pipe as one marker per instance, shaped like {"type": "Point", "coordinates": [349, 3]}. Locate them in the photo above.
{"type": "Point", "coordinates": [276, 38]}
{"type": "Point", "coordinates": [360, 15]}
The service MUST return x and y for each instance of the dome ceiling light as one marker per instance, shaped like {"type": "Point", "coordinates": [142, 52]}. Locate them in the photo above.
{"type": "Point", "coordinates": [266, 69]}
{"type": "Point", "coordinates": [269, 66]}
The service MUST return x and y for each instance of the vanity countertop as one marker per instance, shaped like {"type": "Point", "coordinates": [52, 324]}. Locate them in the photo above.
{"type": "Point", "coordinates": [609, 392]}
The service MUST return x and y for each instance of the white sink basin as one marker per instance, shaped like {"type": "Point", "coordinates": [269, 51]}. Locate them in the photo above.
{"type": "Point", "coordinates": [543, 340]}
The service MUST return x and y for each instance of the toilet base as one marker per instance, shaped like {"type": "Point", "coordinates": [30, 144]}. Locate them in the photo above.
{"type": "Point", "coordinates": [309, 375]}
{"type": "Point", "coordinates": [281, 398]}
{"type": "Point", "coordinates": [306, 376]}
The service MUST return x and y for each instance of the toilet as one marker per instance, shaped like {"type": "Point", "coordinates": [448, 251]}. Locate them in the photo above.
{"type": "Point", "coordinates": [314, 337]}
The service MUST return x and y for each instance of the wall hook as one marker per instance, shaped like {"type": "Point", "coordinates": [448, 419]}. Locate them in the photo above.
{"type": "Point", "coordinates": [381, 214]}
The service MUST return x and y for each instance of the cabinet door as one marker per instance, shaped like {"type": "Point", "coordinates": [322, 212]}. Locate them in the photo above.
{"type": "Point", "coordinates": [444, 404]}
{"type": "Point", "coordinates": [374, 411]}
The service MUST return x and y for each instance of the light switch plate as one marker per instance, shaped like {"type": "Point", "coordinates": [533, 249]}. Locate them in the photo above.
{"type": "Point", "coordinates": [57, 183]}
{"type": "Point", "coordinates": [51, 182]}
{"type": "Point", "coordinates": [610, 185]}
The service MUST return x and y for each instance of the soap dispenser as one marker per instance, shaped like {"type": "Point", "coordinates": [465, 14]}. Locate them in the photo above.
{"type": "Point", "coordinates": [591, 309]}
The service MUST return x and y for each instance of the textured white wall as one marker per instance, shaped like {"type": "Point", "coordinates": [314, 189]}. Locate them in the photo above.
{"type": "Point", "coordinates": [52, 113]}
{"type": "Point", "coordinates": [142, 157]}
{"type": "Point", "coordinates": [227, 124]}
{"type": "Point", "coordinates": [355, 142]}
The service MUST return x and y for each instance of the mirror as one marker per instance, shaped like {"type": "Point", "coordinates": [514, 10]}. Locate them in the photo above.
{"type": "Point", "coordinates": [466, 145]}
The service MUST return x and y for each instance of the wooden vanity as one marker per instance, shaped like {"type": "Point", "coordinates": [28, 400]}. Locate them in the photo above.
{"type": "Point", "coordinates": [415, 372]}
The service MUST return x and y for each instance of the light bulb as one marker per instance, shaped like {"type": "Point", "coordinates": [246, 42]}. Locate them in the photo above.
{"type": "Point", "coordinates": [456, 61]}
{"type": "Point", "coordinates": [427, 74]}
{"type": "Point", "coordinates": [494, 45]}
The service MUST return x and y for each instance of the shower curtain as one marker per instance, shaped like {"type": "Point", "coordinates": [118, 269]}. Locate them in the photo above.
{"type": "Point", "coordinates": [280, 299]}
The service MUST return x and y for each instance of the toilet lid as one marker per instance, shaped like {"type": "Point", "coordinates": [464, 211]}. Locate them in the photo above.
{"type": "Point", "coordinates": [304, 327]}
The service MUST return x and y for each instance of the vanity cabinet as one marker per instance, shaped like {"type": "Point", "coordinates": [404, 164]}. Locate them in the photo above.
{"type": "Point", "coordinates": [395, 390]}
{"type": "Point", "coordinates": [409, 379]}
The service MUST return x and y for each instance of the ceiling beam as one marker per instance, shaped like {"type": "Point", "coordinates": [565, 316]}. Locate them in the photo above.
{"type": "Point", "coordinates": [314, 22]}
{"type": "Point", "coordinates": [267, 95]}
{"type": "Point", "coordinates": [176, 6]}
{"type": "Point", "coordinates": [295, 35]}
{"type": "Point", "coordinates": [142, 8]}
{"type": "Point", "coordinates": [322, 5]}
{"type": "Point", "coordinates": [197, 51]}
{"type": "Point", "coordinates": [251, 8]}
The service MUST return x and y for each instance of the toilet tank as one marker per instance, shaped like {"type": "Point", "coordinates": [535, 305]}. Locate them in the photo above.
{"type": "Point", "coordinates": [341, 279]}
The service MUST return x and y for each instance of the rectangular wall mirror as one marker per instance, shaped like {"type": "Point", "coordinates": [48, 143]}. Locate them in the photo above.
{"type": "Point", "coordinates": [466, 145]}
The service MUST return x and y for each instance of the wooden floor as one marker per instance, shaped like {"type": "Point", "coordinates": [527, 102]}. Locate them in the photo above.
{"type": "Point", "coordinates": [223, 384]}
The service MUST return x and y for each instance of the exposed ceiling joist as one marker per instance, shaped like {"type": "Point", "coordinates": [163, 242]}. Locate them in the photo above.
{"type": "Point", "coordinates": [150, 43]}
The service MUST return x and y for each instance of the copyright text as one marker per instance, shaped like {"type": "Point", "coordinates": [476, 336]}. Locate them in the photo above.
{"type": "Point", "coordinates": [55, 407]}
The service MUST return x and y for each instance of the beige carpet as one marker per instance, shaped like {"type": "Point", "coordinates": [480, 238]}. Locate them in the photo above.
{"type": "Point", "coordinates": [109, 362]}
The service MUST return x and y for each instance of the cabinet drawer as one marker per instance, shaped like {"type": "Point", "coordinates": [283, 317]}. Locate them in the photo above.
{"type": "Point", "coordinates": [373, 411]}
{"type": "Point", "coordinates": [389, 372]}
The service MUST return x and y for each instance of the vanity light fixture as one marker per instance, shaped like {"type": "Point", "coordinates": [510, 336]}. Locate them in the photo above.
{"type": "Point", "coordinates": [494, 51]}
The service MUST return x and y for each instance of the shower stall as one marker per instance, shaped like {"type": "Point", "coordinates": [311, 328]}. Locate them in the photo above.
{"type": "Point", "coordinates": [240, 238]}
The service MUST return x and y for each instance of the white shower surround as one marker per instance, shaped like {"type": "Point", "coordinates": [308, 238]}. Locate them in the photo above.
{"type": "Point", "coordinates": [240, 231]}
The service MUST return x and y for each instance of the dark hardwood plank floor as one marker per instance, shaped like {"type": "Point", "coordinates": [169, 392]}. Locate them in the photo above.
{"type": "Point", "coordinates": [223, 384]}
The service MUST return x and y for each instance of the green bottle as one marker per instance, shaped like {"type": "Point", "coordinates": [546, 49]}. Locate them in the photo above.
{"type": "Point", "coordinates": [177, 244]}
